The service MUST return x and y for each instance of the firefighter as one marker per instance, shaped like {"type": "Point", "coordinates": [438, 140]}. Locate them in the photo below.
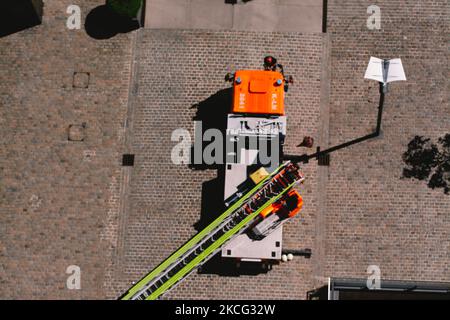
{"type": "Point", "coordinates": [270, 64]}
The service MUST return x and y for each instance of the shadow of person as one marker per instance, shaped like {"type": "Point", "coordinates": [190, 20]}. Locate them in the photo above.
{"type": "Point", "coordinates": [103, 23]}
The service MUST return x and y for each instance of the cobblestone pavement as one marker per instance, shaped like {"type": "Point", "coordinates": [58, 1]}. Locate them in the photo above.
{"type": "Point", "coordinates": [66, 200]}
{"type": "Point", "coordinates": [58, 195]}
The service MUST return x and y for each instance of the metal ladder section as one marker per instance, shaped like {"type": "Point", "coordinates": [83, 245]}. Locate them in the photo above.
{"type": "Point", "coordinates": [207, 242]}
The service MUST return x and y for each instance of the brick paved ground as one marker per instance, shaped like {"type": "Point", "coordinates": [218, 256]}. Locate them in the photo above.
{"type": "Point", "coordinates": [373, 216]}
{"type": "Point", "coordinates": [55, 194]}
{"type": "Point", "coordinates": [62, 202]}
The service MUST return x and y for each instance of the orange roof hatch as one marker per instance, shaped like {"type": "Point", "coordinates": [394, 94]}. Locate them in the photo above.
{"type": "Point", "coordinates": [258, 92]}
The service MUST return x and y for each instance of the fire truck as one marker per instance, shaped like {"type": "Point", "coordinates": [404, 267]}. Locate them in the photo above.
{"type": "Point", "coordinates": [259, 195]}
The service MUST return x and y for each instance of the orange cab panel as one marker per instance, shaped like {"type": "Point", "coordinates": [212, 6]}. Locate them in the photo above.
{"type": "Point", "coordinates": [258, 92]}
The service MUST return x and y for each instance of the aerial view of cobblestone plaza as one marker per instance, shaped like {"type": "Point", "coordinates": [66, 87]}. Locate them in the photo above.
{"type": "Point", "coordinates": [224, 150]}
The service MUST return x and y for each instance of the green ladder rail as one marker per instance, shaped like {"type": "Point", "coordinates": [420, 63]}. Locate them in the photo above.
{"type": "Point", "coordinates": [210, 251]}
{"type": "Point", "coordinates": [194, 240]}
{"type": "Point", "coordinates": [207, 242]}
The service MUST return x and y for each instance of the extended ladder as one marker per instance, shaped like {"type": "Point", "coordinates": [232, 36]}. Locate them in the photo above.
{"type": "Point", "coordinates": [209, 241]}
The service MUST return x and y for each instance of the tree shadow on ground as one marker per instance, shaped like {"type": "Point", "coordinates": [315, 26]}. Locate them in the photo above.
{"type": "Point", "coordinates": [17, 15]}
{"type": "Point", "coordinates": [429, 161]}
{"type": "Point", "coordinates": [103, 23]}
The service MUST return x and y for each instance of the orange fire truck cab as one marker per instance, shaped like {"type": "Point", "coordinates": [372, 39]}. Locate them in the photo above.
{"type": "Point", "coordinates": [258, 92]}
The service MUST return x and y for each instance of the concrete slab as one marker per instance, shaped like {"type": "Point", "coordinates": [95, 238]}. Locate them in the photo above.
{"type": "Point", "coordinates": [210, 14]}
{"type": "Point", "coordinates": [166, 14]}
{"type": "Point", "coordinates": [301, 3]}
{"type": "Point", "coordinates": [256, 17]}
{"type": "Point", "coordinates": [262, 15]}
{"type": "Point", "coordinates": [306, 18]}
